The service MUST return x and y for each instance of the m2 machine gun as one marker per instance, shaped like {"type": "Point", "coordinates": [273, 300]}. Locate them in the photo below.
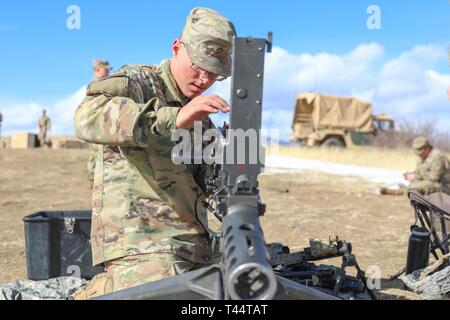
{"type": "Point", "coordinates": [250, 269]}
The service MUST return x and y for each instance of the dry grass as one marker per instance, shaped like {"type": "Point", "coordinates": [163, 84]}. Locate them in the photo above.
{"type": "Point", "coordinates": [396, 159]}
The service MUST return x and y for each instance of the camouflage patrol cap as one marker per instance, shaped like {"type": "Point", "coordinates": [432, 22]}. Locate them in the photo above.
{"type": "Point", "coordinates": [208, 37]}
{"type": "Point", "coordinates": [420, 143]}
{"type": "Point", "coordinates": [101, 64]}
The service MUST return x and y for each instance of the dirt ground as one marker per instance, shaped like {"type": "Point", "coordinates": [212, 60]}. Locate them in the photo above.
{"type": "Point", "coordinates": [299, 206]}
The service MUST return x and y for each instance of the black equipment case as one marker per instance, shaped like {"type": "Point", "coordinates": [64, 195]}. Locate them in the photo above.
{"type": "Point", "coordinates": [57, 244]}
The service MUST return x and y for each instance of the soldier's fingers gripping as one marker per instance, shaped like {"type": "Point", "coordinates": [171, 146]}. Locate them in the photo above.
{"type": "Point", "coordinates": [218, 103]}
{"type": "Point", "coordinates": [197, 108]}
{"type": "Point", "coordinates": [209, 108]}
{"type": "Point", "coordinates": [209, 105]}
{"type": "Point", "coordinates": [213, 101]}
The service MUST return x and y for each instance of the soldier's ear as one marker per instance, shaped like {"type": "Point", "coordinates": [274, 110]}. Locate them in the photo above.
{"type": "Point", "coordinates": [176, 46]}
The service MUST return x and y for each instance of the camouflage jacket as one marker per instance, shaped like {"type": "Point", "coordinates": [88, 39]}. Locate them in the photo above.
{"type": "Point", "coordinates": [142, 202]}
{"type": "Point", "coordinates": [435, 168]}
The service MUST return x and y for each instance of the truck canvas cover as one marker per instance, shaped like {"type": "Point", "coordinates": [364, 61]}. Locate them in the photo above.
{"type": "Point", "coordinates": [333, 112]}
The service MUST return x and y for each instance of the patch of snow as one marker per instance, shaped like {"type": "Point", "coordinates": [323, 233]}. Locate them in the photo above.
{"type": "Point", "coordinates": [283, 164]}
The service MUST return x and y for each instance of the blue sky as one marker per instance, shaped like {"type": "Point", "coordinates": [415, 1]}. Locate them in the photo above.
{"type": "Point", "coordinates": [44, 64]}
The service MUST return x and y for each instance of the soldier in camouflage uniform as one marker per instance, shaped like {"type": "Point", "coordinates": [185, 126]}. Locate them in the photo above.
{"type": "Point", "coordinates": [44, 125]}
{"type": "Point", "coordinates": [101, 70]}
{"type": "Point", "coordinates": [432, 173]}
{"type": "Point", "coordinates": [148, 222]}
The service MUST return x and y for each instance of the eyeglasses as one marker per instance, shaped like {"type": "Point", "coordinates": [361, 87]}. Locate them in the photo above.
{"type": "Point", "coordinates": [215, 76]}
{"type": "Point", "coordinates": [208, 74]}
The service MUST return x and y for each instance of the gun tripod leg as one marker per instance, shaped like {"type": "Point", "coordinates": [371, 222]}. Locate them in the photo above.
{"type": "Point", "coordinates": [397, 274]}
{"type": "Point", "coordinates": [362, 275]}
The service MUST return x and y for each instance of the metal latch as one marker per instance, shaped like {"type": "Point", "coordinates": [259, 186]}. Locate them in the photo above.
{"type": "Point", "coordinates": [70, 224]}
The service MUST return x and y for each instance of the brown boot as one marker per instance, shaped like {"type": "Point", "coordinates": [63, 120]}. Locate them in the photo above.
{"type": "Point", "coordinates": [100, 284]}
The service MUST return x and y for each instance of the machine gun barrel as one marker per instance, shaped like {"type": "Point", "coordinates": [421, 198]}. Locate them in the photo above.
{"type": "Point", "coordinates": [247, 272]}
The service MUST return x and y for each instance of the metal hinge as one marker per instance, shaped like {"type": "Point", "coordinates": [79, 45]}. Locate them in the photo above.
{"type": "Point", "coordinates": [70, 224]}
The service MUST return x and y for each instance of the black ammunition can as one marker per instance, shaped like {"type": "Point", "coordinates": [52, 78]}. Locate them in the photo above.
{"type": "Point", "coordinates": [418, 249]}
{"type": "Point", "coordinates": [57, 244]}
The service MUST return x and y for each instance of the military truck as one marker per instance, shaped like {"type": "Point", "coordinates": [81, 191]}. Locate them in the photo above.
{"type": "Point", "coordinates": [322, 120]}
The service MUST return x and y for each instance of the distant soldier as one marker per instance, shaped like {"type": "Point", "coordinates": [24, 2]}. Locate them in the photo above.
{"type": "Point", "coordinates": [432, 173]}
{"type": "Point", "coordinates": [45, 125]}
{"type": "Point", "coordinates": [101, 70]}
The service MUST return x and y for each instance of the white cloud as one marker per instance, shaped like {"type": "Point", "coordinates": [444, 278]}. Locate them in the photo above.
{"type": "Point", "coordinates": [406, 86]}
{"type": "Point", "coordinates": [24, 116]}
{"type": "Point", "coordinates": [64, 111]}
{"type": "Point", "coordinates": [20, 117]}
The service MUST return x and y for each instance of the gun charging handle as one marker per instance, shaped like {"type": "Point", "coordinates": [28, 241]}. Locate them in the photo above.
{"type": "Point", "coordinates": [269, 41]}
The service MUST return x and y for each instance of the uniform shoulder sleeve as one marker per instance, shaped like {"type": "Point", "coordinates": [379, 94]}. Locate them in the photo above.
{"type": "Point", "coordinates": [129, 81]}
{"type": "Point", "coordinates": [115, 85]}
{"type": "Point", "coordinates": [439, 166]}
{"type": "Point", "coordinates": [124, 108]}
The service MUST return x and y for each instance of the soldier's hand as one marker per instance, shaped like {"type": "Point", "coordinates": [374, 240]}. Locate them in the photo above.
{"type": "Point", "coordinates": [199, 109]}
{"type": "Point", "coordinates": [409, 176]}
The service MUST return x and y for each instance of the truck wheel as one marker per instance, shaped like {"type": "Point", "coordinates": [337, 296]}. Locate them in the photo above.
{"type": "Point", "coordinates": [333, 142]}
